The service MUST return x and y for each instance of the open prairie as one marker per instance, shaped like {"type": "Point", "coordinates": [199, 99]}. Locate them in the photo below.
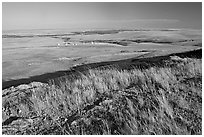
{"type": "Point", "coordinates": [30, 53]}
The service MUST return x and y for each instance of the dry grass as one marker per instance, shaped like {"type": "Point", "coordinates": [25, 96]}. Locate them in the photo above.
{"type": "Point", "coordinates": [157, 100]}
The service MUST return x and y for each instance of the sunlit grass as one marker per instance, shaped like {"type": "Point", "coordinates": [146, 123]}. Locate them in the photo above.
{"type": "Point", "coordinates": [157, 100]}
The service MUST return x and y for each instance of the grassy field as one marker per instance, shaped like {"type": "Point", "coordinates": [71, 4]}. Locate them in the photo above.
{"type": "Point", "coordinates": [159, 100]}
{"type": "Point", "coordinates": [25, 55]}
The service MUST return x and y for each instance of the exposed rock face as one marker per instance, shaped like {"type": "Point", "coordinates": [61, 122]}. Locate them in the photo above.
{"type": "Point", "coordinates": [13, 119]}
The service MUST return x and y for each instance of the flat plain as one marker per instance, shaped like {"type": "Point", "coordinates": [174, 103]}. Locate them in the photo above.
{"type": "Point", "coordinates": [31, 53]}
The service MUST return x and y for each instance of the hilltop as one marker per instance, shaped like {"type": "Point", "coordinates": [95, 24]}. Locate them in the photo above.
{"type": "Point", "coordinates": [155, 95]}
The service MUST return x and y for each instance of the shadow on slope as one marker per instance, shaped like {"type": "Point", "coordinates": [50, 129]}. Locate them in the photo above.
{"type": "Point", "coordinates": [121, 64]}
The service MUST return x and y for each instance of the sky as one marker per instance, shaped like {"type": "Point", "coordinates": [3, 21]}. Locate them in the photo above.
{"type": "Point", "coordinates": [53, 15]}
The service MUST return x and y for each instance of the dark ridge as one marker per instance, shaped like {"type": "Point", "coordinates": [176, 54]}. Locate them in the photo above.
{"type": "Point", "coordinates": [190, 54]}
{"type": "Point", "coordinates": [169, 30]}
{"type": "Point", "coordinates": [121, 64]}
{"type": "Point", "coordinates": [125, 42]}
{"type": "Point", "coordinates": [100, 32]}
{"type": "Point", "coordinates": [152, 41]}
{"type": "Point", "coordinates": [31, 36]}
{"type": "Point", "coordinates": [93, 32]}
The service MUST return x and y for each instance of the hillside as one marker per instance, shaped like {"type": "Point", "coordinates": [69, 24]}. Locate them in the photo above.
{"type": "Point", "coordinates": [162, 97]}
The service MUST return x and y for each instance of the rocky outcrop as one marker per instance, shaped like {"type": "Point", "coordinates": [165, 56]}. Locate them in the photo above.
{"type": "Point", "coordinates": [17, 120]}
{"type": "Point", "coordinates": [14, 99]}
{"type": "Point", "coordinates": [18, 116]}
